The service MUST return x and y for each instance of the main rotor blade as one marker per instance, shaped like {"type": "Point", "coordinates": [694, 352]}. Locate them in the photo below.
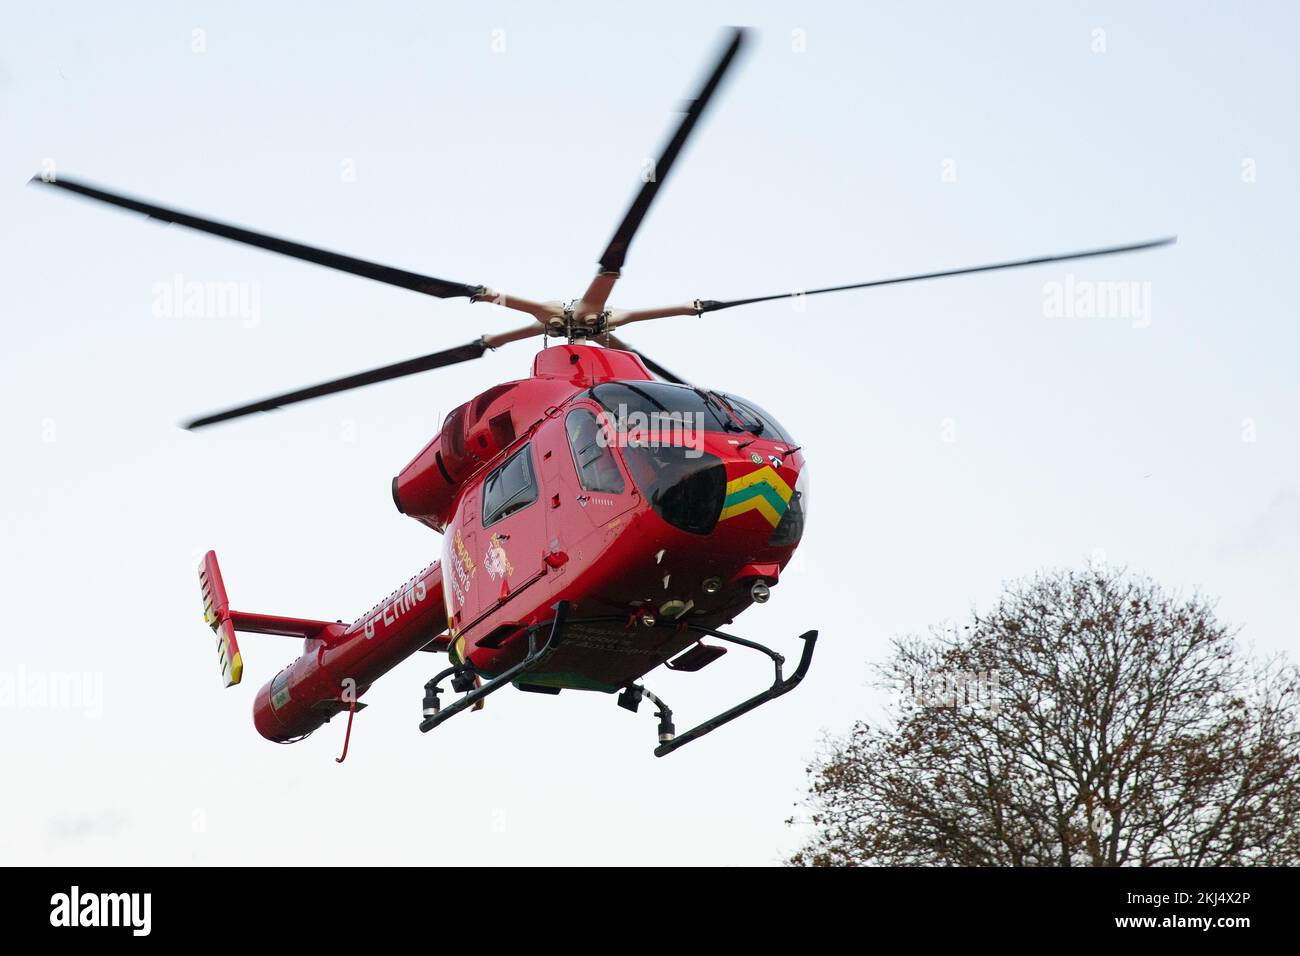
{"type": "Point", "coordinates": [429, 285]}
{"type": "Point", "coordinates": [462, 353]}
{"type": "Point", "coordinates": [646, 360]}
{"type": "Point", "coordinates": [712, 305]}
{"type": "Point", "coordinates": [612, 258]}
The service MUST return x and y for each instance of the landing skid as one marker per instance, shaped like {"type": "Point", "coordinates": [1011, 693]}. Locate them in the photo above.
{"type": "Point", "coordinates": [463, 675]}
{"type": "Point", "coordinates": [463, 678]}
{"type": "Point", "coordinates": [669, 741]}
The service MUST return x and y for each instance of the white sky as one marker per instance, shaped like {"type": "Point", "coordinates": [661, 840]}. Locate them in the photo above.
{"type": "Point", "coordinates": [1074, 437]}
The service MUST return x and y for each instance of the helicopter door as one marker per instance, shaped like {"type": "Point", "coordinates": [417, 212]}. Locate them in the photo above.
{"type": "Point", "coordinates": [513, 535]}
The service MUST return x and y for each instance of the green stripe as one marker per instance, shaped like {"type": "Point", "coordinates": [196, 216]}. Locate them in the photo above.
{"type": "Point", "coordinates": [758, 488]}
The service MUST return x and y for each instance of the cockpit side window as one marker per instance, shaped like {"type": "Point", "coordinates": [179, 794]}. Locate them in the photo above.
{"type": "Point", "coordinates": [597, 469]}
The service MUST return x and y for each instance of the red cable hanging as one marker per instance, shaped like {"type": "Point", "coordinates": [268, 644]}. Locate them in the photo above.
{"type": "Point", "coordinates": [347, 736]}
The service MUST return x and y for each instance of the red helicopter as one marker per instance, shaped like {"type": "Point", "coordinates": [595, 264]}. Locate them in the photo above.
{"type": "Point", "coordinates": [597, 521]}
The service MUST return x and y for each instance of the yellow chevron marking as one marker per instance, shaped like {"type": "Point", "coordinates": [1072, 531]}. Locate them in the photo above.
{"type": "Point", "coordinates": [759, 504]}
{"type": "Point", "coordinates": [766, 473]}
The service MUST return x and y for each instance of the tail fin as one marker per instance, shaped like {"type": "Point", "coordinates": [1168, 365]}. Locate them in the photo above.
{"type": "Point", "coordinates": [216, 612]}
{"type": "Point", "coordinates": [224, 622]}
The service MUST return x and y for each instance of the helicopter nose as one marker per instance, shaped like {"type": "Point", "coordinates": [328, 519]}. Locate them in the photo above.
{"type": "Point", "coordinates": [740, 498]}
{"type": "Point", "coordinates": [762, 501]}
{"type": "Point", "coordinates": [755, 484]}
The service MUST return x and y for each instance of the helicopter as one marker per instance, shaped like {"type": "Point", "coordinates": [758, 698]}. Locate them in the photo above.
{"type": "Point", "coordinates": [599, 518]}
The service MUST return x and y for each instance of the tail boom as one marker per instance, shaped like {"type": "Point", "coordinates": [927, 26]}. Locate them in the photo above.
{"type": "Point", "coordinates": [339, 661]}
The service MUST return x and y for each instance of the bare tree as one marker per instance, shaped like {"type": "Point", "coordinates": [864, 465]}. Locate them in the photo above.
{"type": "Point", "coordinates": [1090, 719]}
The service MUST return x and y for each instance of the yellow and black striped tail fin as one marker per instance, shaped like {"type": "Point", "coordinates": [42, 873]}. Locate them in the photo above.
{"type": "Point", "coordinates": [216, 612]}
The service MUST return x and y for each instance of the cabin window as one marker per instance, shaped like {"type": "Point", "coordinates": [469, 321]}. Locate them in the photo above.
{"type": "Point", "coordinates": [597, 469]}
{"type": "Point", "coordinates": [509, 488]}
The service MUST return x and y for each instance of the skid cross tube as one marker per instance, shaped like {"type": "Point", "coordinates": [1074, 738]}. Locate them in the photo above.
{"type": "Point", "coordinates": [534, 657]}
{"type": "Point", "coordinates": [779, 686]}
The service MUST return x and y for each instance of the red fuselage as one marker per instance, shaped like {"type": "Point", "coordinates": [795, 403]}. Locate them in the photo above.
{"type": "Point", "coordinates": [590, 483]}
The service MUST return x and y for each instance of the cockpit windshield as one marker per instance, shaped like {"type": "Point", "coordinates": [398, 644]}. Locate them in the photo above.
{"type": "Point", "coordinates": [658, 425]}
{"type": "Point", "coordinates": [633, 404]}
{"type": "Point", "coordinates": [754, 419]}
{"type": "Point", "coordinates": [657, 406]}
